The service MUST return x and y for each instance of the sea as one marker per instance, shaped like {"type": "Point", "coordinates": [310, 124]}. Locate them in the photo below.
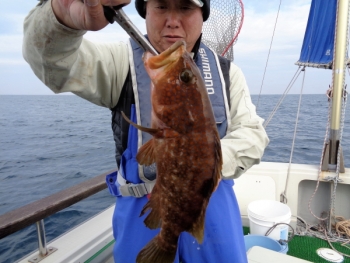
{"type": "Point", "coordinates": [51, 142]}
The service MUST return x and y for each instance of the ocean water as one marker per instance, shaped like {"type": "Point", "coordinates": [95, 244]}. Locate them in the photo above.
{"type": "Point", "coordinates": [49, 143]}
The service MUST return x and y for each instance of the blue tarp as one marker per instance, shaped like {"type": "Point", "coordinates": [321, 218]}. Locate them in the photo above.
{"type": "Point", "coordinates": [318, 45]}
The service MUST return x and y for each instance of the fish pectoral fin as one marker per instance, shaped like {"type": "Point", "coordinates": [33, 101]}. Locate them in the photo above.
{"type": "Point", "coordinates": [146, 153]}
{"type": "Point", "coordinates": [141, 128]}
{"type": "Point", "coordinates": [198, 228]}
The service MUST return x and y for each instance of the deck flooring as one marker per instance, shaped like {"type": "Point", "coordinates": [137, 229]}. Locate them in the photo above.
{"type": "Point", "coordinates": [305, 247]}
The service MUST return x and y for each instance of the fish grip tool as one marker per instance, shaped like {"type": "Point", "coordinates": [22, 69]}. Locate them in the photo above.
{"type": "Point", "coordinates": [116, 14]}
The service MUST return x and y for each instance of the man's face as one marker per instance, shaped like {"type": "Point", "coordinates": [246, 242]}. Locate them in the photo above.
{"type": "Point", "coordinates": [170, 20]}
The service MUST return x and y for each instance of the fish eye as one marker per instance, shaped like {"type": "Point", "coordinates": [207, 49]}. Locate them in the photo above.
{"type": "Point", "coordinates": [186, 75]}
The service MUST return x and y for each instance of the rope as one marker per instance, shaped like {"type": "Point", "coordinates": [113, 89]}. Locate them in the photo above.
{"type": "Point", "coordinates": [330, 244]}
{"type": "Point", "coordinates": [268, 55]}
{"type": "Point", "coordinates": [284, 194]}
{"type": "Point", "coordinates": [336, 178]}
{"type": "Point", "coordinates": [290, 85]}
{"type": "Point", "coordinates": [342, 228]}
{"type": "Point", "coordinates": [329, 92]}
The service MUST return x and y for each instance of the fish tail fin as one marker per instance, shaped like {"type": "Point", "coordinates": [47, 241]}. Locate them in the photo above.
{"type": "Point", "coordinates": [153, 253]}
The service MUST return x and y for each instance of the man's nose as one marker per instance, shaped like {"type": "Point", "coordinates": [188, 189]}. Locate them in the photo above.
{"type": "Point", "coordinates": [174, 19]}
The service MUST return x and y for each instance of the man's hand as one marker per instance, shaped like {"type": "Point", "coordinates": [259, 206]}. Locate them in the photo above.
{"type": "Point", "coordinates": [87, 15]}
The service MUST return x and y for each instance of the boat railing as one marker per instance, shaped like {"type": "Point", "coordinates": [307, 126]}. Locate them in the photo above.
{"type": "Point", "coordinates": [34, 213]}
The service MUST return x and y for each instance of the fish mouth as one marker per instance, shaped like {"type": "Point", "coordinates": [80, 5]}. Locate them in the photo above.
{"type": "Point", "coordinates": [166, 57]}
{"type": "Point", "coordinates": [174, 47]}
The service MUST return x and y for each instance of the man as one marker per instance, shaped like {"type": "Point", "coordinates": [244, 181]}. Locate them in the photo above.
{"type": "Point", "coordinates": [113, 76]}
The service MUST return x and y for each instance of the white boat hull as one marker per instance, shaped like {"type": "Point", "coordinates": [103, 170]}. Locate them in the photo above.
{"type": "Point", "coordinates": [268, 181]}
{"type": "Point", "coordinates": [93, 241]}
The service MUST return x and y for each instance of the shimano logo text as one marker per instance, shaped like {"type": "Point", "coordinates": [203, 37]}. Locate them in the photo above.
{"type": "Point", "coordinates": [208, 79]}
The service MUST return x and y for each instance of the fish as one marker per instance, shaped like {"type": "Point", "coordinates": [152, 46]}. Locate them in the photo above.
{"type": "Point", "coordinates": [185, 146]}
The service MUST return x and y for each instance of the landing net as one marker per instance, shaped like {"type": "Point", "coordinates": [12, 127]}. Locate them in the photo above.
{"type": "Point", "coordinates": [220, 31]}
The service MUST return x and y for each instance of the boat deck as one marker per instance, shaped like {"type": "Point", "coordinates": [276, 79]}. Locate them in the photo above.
{"type": "Point", "coordinates": [304, 247]}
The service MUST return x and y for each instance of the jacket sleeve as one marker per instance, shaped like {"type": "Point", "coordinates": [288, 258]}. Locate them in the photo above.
{"type": "Point", "coordinates": [65, 62]}
{"type": "Point", "coordinates": [246, 139]}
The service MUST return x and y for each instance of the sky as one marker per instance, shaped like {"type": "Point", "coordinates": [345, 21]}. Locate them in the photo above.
{"type": "Point", "coordinates": [250, 51]}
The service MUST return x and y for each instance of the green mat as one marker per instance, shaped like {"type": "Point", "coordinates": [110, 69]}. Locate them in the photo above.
{"type": "Point", "coordinates": [305, 248]}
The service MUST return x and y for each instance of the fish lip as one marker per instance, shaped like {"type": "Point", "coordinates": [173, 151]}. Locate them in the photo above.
{"type": "Point", "coordinates": [174, 46]}
{"type": "Point", "coordinates": [164, 58]}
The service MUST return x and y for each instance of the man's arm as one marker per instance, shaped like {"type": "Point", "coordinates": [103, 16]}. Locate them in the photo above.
{"type": "Point", "coordinates": [65, 62]}
{"type": "Point", "coordinates": [244, 144]}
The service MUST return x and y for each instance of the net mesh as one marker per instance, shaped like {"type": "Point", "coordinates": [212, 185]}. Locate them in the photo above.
{"type": "Point", "coordinates": [221, 30]}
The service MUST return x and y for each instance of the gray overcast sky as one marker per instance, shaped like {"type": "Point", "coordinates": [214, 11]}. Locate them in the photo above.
{"type": "Point", "coordinates": [250, 51]}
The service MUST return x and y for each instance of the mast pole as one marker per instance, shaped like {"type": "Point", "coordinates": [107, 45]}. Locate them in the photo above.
{"type": "Point", "coordinates": [339, 67]}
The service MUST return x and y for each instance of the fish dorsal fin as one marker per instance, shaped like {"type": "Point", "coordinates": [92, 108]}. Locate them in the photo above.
{"type": "Point", "coordinates": [146, 154]}
{"type": "Point", "coordinates": [144, 129]}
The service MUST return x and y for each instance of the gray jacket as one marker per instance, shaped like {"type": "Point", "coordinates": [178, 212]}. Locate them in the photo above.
{"type": "Point", "coordinates": [66, 62]}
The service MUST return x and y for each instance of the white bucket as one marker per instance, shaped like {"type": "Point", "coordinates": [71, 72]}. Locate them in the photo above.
{"type": "Point", "coordinates": [263, 214]}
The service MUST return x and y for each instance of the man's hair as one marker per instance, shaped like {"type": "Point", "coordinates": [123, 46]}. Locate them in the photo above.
{"type": "Point", "coordinates": [141, 8]}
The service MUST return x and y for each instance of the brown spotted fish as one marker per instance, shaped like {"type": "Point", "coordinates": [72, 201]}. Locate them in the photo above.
{"type": "Point", "coordinates": [186, 149]}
